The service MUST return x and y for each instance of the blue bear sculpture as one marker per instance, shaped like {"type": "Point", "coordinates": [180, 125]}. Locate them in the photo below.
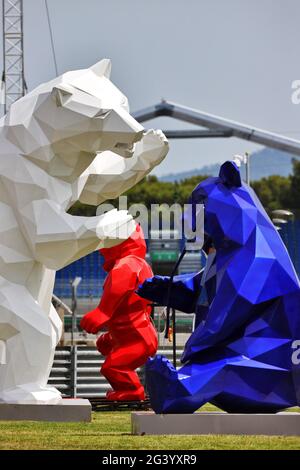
{"type": "Point", "coordinates": [241, 357]}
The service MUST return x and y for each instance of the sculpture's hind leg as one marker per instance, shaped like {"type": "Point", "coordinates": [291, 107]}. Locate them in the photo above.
{"type": "Point", "coordinates": [251, 386]}
{"type": "Point", "coordinates": [235, 384]}
{"type": "Point", "coordinates": [182, 391]}
{"type": "Point", "coordinates": [30, 337]}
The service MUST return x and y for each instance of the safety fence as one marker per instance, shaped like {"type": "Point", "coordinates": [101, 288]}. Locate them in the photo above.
{"type": "Point", "coordinates": [76, 371]}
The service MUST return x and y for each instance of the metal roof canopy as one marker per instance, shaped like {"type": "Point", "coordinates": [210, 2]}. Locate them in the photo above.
{"type": "Point", "coordinates": [216, 127]}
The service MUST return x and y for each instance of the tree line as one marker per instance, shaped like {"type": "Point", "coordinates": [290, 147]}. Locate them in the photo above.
{"type": "Point", "coordinates": [274, 192]}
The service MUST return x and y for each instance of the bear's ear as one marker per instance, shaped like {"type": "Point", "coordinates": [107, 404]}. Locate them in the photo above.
{"type": "Point", "coordinates": [230, 175]}
{"type": "Point", "coordinates": [61, 94]}
{"type": "Point", "coordinates": [102, 68]}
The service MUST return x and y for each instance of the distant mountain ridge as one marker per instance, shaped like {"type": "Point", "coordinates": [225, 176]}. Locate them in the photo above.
{"type": "Point", "coordinates": [263, 163]}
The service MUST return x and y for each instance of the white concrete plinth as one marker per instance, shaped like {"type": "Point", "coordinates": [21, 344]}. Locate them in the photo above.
{"type": "Point", "coordinates": [67, 410]}
{"type": "Point", "coordinates": [280, 424]}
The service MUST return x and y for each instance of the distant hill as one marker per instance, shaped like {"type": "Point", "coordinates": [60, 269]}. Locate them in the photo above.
{"type": "Point", "coordinates": [263, 163]}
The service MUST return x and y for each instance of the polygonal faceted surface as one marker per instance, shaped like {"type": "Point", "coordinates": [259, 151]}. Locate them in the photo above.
{"type": "Point", "coordinates": [241, 356]}
{"type": "Point", "coordinates": [131, 338]}
{"type": "Point", "coordinates": [49, 141]}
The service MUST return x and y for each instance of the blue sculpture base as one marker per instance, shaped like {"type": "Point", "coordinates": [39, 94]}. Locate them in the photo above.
{"type": "Point", "coordinates": [280, 424]}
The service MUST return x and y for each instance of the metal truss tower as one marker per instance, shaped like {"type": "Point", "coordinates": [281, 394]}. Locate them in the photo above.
{"type": "Point", "coordinates": [13, 57]}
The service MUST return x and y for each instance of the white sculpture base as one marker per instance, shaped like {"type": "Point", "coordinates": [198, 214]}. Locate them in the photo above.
{"type": "Point", "coordinates": [67, 410]}
{"type": "Point", "coordinates": [280, 424]}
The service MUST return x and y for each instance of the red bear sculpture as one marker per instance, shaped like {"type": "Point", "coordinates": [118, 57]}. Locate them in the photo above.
{"type": "Point", "coordinates": [131, 337]}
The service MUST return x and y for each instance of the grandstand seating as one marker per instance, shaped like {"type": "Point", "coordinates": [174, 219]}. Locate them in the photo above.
{"type": "Point", "coordinates": [89, 269]}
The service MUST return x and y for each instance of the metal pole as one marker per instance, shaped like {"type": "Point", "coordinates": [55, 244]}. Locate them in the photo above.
{"type": "Point", "coordinates": [73, 371]}
{"type": "Point", "coordinates": [169, 291]}
{"type": "Point", "coordinates": [74, 286]}
{"type": "Point", "coordinates": [173, 310]}
{"type": "Point", "coordinates": [74, 320]}
{"type": "Point", "coordinates": [247, 157]}
{"type": "Point", "coordinates": [174, 337]}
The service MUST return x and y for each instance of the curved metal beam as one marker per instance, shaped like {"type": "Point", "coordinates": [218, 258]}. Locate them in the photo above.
{"type": "Point", "coordinates": [210, 121]}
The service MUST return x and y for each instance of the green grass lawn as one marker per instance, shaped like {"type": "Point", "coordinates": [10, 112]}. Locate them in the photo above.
{"type": "Point", "coordinates": [111, 430]}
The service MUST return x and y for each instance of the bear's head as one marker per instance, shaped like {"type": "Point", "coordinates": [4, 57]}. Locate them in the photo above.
{"type": "Point", "coordinates": [231, 208]}
{"type": "Point", "coordinates": [62, 124]}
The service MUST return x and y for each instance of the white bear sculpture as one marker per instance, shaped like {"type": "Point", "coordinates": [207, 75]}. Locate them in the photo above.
{"type": "Point", "coordinates": [48, 142]}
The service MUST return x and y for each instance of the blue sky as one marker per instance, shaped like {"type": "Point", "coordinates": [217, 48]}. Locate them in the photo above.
{"type": "Point", "coordinates": [233, 58]}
